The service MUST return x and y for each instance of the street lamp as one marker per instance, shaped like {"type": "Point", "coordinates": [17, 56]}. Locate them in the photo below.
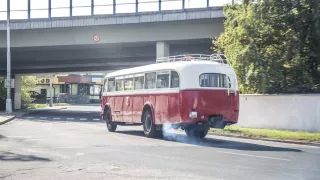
{"type": "Point", "coordinates": [8, 101]}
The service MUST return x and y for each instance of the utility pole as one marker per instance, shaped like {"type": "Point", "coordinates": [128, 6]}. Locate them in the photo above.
{"type": "Point", "coordinates": [8, 101]}
{"type": "Point", "coordinates": [50, 91]}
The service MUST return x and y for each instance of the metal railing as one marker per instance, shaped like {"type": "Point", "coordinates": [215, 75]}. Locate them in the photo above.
{"type": "Point", "coordinates": [93, 8]}
{"type": "Point", "coordinates": [220, 58]}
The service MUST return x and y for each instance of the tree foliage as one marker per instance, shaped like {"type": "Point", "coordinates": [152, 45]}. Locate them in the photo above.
{"type": "Point", "coordinates": [28, 83]}
{"type": "Point", "coordinates": [274, 46]}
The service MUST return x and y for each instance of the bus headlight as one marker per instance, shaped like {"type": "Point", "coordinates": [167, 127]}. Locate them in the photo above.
{"type": "Point", "coordinates": [193, 114]}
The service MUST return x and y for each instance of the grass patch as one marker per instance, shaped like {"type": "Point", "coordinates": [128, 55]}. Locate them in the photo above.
{"type": "Point", "coordinates": [37, 106]}
{"type": "Point", "coordinates": [269, 133]}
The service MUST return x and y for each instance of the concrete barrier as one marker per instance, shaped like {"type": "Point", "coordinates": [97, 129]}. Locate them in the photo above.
{"type": "Point", "coordinates": [287, 112]}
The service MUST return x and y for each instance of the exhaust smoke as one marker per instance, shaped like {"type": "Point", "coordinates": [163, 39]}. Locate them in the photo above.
{"type": "Point", "coordinates": [170, 134]}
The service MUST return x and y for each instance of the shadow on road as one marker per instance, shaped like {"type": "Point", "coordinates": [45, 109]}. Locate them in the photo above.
{"type": "Point", "coordinates": [7, 156]}
{"type": "Point", "coordinates": [214, 142]}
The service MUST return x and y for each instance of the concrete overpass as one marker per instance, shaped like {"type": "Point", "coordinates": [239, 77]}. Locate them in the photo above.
{"type": "Point", "coordinates": [104, 43]}
{"type": "Point", "coordinates": [41, 45]}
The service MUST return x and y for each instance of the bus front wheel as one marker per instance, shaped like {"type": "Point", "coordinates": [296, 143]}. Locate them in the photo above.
{"type": "Point", "coordinates": [196, 133]}
{"type": "Point", "coordinates": [110, 125]}
{"type": "Point", "coordinates": [149, 128]}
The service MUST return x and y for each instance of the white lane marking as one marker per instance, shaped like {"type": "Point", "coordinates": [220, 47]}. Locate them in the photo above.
{"type": "Point", "coordinates": [75, 147]}
{"type": "Point", "coordinates": [29, 117]}
{"type": "Point", "coordinates": [79, 154]}
{"type": "Point", "coordinates": [83, 119]}
{"type": "Point", "coordinates": [70, 118]}
{"type": "Point", "coordinates": [43, 117]}
{"type": "Point", "coordinates": [249, 155]}
{"type": "Point", "coordinates": [56, 118]}
{"type": "Point", "coordinates": [96, 119]}
{"type": "Point", "coordinates": [202, 163]}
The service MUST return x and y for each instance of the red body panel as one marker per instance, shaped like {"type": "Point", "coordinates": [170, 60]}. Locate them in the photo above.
{"type": "Point", "coordinates": [127, 109]}
{"type": "Point", "coordinates": [138, 103]}
{"type": "Point", "coordinates": [175, 107]}
{"type": "Point", "coordinates": [117, 108]}
{"type": "Point", "coordinates": [208, 103]}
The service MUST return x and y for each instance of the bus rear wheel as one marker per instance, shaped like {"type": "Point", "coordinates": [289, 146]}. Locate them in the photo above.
{"type": "Point", "coordinates": [149, 128]}
{"type": "Point", "coordinates": [110, 125]}
{"type": "Point", "coordinates": [196, 133]}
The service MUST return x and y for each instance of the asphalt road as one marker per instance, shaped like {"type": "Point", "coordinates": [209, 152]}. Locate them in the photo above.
{"type": "Point", "coordinates": [74, 144]}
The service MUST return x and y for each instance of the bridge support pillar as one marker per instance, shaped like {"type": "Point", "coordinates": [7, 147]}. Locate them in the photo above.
{"type": "Point", "coordinates": [163, 49]}
{"type": "Point", "coordinates": [17, 92]}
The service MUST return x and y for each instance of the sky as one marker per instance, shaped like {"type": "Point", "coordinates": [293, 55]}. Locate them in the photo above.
{"type": "Point", "coordinates": [60, 8]}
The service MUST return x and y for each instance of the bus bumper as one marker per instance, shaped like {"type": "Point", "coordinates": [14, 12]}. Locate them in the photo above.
{"type": "Point", "coordinates": [204, 124]}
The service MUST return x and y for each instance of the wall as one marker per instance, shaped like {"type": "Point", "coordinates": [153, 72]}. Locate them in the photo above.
{"type": "Point", "coordinates": [289, 112]}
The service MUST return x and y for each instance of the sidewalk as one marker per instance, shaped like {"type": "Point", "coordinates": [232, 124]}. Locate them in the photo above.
{"type": "Point", "coordinates": [4, 118]}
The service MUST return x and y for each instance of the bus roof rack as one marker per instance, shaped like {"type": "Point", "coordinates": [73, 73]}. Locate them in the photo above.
{"type": "Point", "coordinates": [220, 58]}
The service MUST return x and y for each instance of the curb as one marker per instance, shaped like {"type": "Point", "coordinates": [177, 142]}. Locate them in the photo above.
{"type": "Point", "coordinates": [267, 139]}
{"type": "Point", "coordinates": [27, 113]}
{"type": "Point", "coordinates": [8, 120]}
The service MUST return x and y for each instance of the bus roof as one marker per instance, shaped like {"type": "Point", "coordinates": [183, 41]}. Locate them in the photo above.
{"type": "Point", "coordinates": [176, 66]}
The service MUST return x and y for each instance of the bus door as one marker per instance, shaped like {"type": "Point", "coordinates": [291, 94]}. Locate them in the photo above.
{"type": "Point", "coordinates": [127, 100]}
{"type": "Point", "coordinates": [118, 101]}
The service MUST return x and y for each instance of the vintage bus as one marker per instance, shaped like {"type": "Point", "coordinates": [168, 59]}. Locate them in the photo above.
{"type": "Point", "coordinates": [191, 92]}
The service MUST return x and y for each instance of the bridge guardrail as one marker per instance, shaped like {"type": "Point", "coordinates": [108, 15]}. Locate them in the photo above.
{"type": "Point", "coordinates": [92, 8]}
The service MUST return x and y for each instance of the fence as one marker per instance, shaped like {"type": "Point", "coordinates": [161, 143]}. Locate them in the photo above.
{"type": "Point", "coordinates": [289, 112]}
{"type": "Point", "coordinates": [34, 9]}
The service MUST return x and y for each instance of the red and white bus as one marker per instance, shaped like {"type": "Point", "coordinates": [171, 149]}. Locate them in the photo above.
{"type": "Point", "coordinates": [191, 92]}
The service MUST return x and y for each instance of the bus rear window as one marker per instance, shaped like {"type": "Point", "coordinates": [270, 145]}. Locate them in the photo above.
{"type": "Point", "coordinates": [214, 80]}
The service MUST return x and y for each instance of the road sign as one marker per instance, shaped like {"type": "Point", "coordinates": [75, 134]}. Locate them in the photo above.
{"type": "Point", "coordinates": [96, 38]}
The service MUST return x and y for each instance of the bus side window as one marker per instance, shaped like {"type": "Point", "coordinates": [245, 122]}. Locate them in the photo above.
{"type": "Point", "coordinates": [150, 81]}
{"type": "Point", "coordinates": [128, 84]}
{"type": "Point", "coordinates": [111, 85]}
{"type": "Point", "coordinates": [174, 79]}
{"type": "Point", "coordinates": [163, 80]}
{"type": "Point", "coordinates": [138, 82]}
{"type": "Point", "coordinates": [119, 84]}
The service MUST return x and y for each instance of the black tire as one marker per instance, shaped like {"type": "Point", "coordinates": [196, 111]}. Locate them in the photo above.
{"type": "Point", "coordinates": [196, 133]}
{"type": "Point", "coordinates": [110, 125]}
{"type": "Point", "coordinates": [149, 128]}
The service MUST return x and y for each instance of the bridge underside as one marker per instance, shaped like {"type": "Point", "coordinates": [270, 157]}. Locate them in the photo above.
{"type": "Point", "coordinates": [100, 57]}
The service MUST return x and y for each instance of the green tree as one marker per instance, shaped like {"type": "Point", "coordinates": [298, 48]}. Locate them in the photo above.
{"type": "Point", "coordinates": [274, 46]}
{"type": "Point", "coordinates": [28, 83]}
